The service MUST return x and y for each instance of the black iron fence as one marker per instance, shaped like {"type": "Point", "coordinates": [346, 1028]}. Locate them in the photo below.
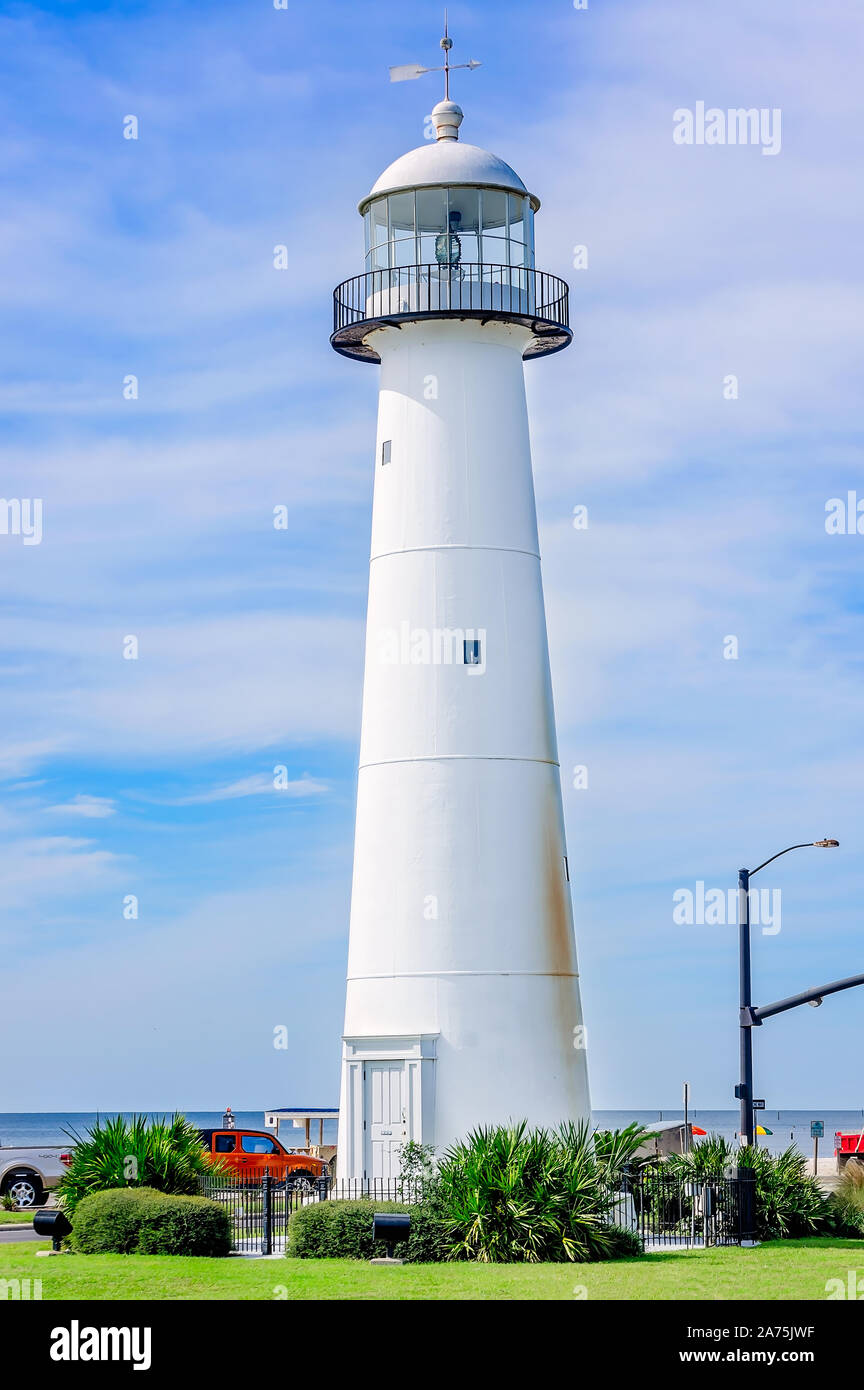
{"type": "Point", "coordinates": [665, 1209]}
{"type": "Point", "coordinates": [261, 1207]}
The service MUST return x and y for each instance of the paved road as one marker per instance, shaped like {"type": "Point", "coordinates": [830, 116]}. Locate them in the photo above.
{"type": "Point", "coordinates": [9, 1234]}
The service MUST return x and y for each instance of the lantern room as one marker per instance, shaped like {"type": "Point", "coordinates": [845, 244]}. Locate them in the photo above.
{"type": "Point", "coordinates": [449, 229]}
{"type": "Point", "coordinates": [449, 226]}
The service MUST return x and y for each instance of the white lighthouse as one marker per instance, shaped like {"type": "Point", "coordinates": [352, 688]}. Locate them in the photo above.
{"type": "Point", "coordinates": [462, 997]}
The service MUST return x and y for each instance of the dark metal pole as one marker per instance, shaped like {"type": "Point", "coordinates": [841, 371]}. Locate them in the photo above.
{"type": "Point", "coordinates": [748, 1017]}
{"type": "Point", "coordinates": [747, 1231]}
{"type": "Point", "coordinates": [267, 1213]}
{"type": "Point", "coordinates": [745, 1089]}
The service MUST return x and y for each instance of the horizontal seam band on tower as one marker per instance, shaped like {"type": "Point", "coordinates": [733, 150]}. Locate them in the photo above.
{"type": "Point", "coordinates": [434, 974]}
{"type": "Point", "coordinates": [461, 757]}
{"type": "Point", "coordinates": [417, 549]}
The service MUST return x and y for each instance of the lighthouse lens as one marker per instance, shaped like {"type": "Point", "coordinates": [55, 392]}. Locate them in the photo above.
{"type": "Point", "coordinates": [431, 221]}
{"type": "Point", "coordinates": [464, 213]}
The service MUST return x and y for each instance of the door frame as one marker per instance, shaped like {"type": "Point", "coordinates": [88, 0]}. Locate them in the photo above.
{"type": "Point", "coordinates": [416, 1052]}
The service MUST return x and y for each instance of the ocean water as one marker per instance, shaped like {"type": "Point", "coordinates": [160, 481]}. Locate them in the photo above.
{"type": "Point", "coordinates": [787, 1126]}
{"type": "Point", "coordinates": [28, 1129]}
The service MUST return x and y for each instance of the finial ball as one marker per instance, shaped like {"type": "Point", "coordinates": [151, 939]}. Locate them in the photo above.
{"type": "Point", "coordinates": [447, 118]}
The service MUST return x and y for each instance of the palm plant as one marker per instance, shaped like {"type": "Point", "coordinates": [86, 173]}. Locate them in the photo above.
{"type": "Point", "coordinates": [514, 1194]}
{"type": "Point", "coordinates": [847, 1202]}
{"type": "Point", "coordinates": [851, 1186]}
{"type": "Point", "coordinates": [789, 1202]}
{"type": "Point", "coordinates": [615, 1149]}
{"type": "Point", "coordinates": [713, 1158]}
{"type": "Point", "coordinates": [118, 1152]}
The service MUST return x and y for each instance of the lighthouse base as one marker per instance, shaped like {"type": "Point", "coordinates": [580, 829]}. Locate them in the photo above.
{"type": "Point", "coordinates": [434, 1087]}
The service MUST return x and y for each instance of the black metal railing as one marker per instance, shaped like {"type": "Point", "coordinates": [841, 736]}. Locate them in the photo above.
{"type": "Point", "coordinates": [669, 1209]}
{"type": "Point", "coordinates": [532, 297]}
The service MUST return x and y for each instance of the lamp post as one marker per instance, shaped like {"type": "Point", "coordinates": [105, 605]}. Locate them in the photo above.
{"type": "Point", "coordinates": [748, 1016]}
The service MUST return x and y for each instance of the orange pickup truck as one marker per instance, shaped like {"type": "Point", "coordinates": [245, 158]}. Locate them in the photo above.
{"type": "Point", "coordinates": [247, 1152]}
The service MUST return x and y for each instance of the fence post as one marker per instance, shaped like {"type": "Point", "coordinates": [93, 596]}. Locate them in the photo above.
{"type": "Point", "coordinates": [322, 1185]}
{"type": "Point", "coordinates": [267, 1198]}
{"type": "Point", "coordinates": [746, 1181]}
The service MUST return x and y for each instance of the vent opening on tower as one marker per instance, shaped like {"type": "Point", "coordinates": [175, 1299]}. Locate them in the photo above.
{"type": "Point", "coordinates": [386, 450]}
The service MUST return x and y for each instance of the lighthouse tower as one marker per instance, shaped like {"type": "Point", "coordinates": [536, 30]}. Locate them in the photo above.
{"type": "Point", "coordinates": [462, 997]}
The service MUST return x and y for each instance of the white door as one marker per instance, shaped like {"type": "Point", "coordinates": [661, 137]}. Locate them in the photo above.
{"type": "Point", "coordinates": [386, 1117]}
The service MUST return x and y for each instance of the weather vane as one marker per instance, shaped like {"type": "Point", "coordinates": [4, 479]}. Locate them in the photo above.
{"type": "Point", "coordinates": [408, 71]}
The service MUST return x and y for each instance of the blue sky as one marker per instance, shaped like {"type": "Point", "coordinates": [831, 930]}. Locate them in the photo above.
{"type": "Point", "coordinates": [154, 257]}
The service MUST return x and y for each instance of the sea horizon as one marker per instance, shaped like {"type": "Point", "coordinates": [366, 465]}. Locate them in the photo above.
{"type": "Point", "coordinates": [788, 1127]}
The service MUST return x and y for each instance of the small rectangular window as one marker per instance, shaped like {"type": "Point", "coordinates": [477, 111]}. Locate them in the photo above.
{"type": "Point", "coordinates": [471, 651]}
{"type": "Point", "coordinates": [385, 450]}
{"type": "Point", "coordinates": [566, 869]}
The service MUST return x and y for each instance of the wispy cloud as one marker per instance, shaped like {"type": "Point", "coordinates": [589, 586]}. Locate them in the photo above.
{"type": "Point", "coordinates": [259, 784]}
{"type": "Point", "coordinates": [90, 807]}
{"type": "Point", "coordinates": [59, 867]}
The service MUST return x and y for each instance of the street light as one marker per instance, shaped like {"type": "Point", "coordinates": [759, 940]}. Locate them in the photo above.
{"type": "Point", "coordinates": [748, 1016]}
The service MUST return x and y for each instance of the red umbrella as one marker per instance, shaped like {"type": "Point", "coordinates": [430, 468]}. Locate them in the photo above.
{"type": "Point", "coordinates": [697, 1130]}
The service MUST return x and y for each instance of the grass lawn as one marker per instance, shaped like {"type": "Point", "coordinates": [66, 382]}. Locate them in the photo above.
{"type": "Point", "coordinates": [21, 1217]}
{"type": "Point", "coordinates": [778, 1271]}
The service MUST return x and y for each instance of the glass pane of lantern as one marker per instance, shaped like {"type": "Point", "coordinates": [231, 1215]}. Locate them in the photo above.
{"type": "Point", "coordinates": [380, 256]}
{"type": "Point", "coordinates": [431, 210]}
{"type": "Point", "coordinates": [517, 216]}
{"type": "Point", "coordinates": [431, 222]}
{"type": "Point", "coordinates": [493, 217]}
{"type": "Point", "coordinates": [494, 212]}
{"type": "Point", "coordinates": [379, 221]}
{"type": "Point", "coordinates": [529, 234]}
{"type": "Point", "coordinates": [401, 216]}
{"type": "Point", "coordinates": [402, 252]}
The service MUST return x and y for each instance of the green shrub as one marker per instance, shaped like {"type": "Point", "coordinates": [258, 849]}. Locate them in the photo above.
{"type": "Point", "coordinates": [428, 1242]}
{"type": "Point", "coordinates": [139, 1220]}
{"type": "Point", "coordinates": [110, 1221]}
{"type": "Point", "coordinates": [624, 1244]}
{"type": "Point", "coordinates": [166, 1155]}
{"type": "Point", "coordinates": [336, 1230]}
